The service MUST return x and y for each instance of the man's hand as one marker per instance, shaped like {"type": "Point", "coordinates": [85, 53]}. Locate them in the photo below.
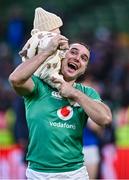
{"type": "Point", "coordinates": [64, 44]}
{"type": "Point", "coordinates": [66, 89]}
{"type": "Point", "coordinates": [97, 111]}
{"type": "Point", "coordinates": [55, 42]}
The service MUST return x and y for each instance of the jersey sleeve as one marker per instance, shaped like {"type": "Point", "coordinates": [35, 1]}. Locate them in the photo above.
{"type": "Point", "coordinates": [35, 80]}
{"type": "Point", "coordinates": [36, 88]}
{"type": "Point", "coordinates": [92, 93]}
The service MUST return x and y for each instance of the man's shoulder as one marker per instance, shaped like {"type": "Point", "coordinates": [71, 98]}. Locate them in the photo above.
{"type": "Point", "coordinates": [37, 80]}
{"type": "Point", "coordinates": [89, 91]}
{"type": "Point", "coordinates": [84, 88]}
{"type": "Point", "coordinates": [40, 84]}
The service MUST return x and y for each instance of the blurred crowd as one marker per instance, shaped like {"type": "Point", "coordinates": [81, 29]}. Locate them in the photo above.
{"type": "Point", "coordinates": [108, 73]}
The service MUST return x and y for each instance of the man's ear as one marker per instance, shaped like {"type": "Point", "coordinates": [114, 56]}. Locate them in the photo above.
{"type": "Point", "coordinates": [34, 31]}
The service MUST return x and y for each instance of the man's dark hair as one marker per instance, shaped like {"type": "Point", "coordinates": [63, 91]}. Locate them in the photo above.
{"type": "Point", "coordinates": [84, 44]}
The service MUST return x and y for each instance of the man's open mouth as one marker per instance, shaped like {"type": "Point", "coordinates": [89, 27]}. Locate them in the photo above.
{"type": "Point", "coordinates": [72, 66]}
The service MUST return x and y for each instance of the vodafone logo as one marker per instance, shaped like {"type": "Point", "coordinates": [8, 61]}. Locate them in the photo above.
{"type": "Point", "coordinates": [65, 113]}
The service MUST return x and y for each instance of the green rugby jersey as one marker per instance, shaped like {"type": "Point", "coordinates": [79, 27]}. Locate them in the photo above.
{"type": "Point", "coordinates": [55, 129]}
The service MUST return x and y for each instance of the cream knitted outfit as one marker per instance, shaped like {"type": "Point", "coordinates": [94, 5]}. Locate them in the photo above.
{"type": "Point", "coordinates": [51, 66]}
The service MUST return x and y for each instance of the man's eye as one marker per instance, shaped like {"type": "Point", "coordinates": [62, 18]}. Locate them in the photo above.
{"type": "Point", "coordinates": [84, 58]}
{"type": "Point", "coordinates": [73, 52]}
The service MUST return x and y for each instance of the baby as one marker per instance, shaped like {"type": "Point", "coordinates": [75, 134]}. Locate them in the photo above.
{"type": "Point", "coordinates": [46, 25]}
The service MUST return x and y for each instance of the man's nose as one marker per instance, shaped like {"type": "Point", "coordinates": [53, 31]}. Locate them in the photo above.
{"type": "Point", "coordinates": [77, 58]}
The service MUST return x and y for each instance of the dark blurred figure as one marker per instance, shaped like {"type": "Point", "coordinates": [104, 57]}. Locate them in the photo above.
{"type": "Point", "coordinates": [102, 53]}
{"type": "Point", "coordinates": [16, 27]}
{"type": "Point", "coordinates": [20, 128]}
{"type": "Point", "coordinates": [16, 31]}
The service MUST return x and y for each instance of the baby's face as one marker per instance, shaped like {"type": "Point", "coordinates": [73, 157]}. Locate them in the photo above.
{"type": "Point", "coordinates": [57, 30]}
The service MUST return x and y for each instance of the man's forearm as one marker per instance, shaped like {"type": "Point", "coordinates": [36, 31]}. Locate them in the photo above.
{"type": "Point", "coordinates": [97, 111]}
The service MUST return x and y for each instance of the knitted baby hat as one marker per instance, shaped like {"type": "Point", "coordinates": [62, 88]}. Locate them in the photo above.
{"type": "Point", "coordinates": [46, 21]}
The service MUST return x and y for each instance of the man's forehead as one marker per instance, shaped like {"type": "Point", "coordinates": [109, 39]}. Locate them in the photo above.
{"type": "Point", "coordinates": [78, 46]}
{"type": "Point", "coordinates": [81, 48]}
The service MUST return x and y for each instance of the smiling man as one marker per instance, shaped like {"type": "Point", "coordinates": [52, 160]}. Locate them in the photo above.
{"type": "Point", "coordinates": [75, 62]}
{"type": "Point", "coordinates": [55, 127]}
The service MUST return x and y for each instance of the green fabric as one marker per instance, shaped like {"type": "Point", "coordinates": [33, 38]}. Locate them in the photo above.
{"type": "Point", "coordinates": [7, 125]}
{"type": "Point", "coordinates": [6, 138]}
{"type": "Point", "coordinates": [122, 136]}
{"type": "Point", "coordinates": [55, 137]}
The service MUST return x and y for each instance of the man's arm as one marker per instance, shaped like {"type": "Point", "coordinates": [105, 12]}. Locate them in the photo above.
{"type": "Point", "coordinates": [20, 78]}
{"type": "Point", "coordinates": [97, 129]}
{"type": "Point", "coordinates": [96, 110]}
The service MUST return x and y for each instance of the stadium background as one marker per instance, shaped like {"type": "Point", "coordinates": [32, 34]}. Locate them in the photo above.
{"type": "Point", "coordinates": [104, 25]}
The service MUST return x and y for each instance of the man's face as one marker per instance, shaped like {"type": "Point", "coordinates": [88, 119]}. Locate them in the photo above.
{"type": "Point", "coordinates": [75, 62]}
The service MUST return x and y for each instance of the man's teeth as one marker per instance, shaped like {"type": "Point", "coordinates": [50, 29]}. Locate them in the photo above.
{"type": "Point", "coordinates": [73, 66]}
